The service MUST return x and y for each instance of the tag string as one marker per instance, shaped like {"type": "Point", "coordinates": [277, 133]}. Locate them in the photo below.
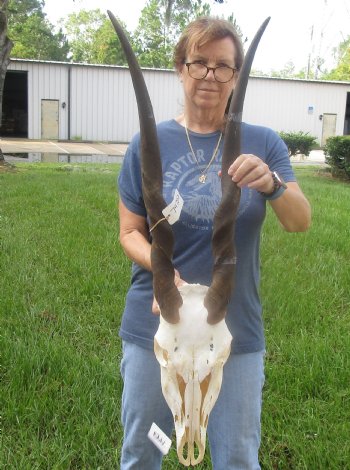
{"type": "Point", "coordinates": [159, 221]}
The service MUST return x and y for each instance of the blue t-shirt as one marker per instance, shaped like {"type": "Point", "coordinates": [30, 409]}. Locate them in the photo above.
{"type": "Point", "coordinates": [193, 231]}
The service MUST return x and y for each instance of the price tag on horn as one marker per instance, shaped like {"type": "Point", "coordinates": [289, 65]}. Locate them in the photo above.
{"type": "Point", "coordinates": [173, 210]}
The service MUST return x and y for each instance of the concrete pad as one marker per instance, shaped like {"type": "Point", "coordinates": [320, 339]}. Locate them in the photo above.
{"type": "Point", "coordinates": [13, 146]}
{"type": "Point", "coordinates": [316, 157]}
{"type": "Point", "coordinates": [82, 151]}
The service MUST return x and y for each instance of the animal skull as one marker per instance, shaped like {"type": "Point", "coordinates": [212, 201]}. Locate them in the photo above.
{"type": "Point", "coordinates": [191, 354]}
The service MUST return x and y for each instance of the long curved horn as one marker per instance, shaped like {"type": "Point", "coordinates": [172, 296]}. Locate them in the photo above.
{"type": "Point", "coordinates": [224, 253]}
{"type": "Point", "coordinates": [165, 291]}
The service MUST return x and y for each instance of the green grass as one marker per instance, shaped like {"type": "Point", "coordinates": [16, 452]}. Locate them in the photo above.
{"type": "Point", "coordinates": [306, 294]}
{"type": "Point", "coordinates": [64, 278]}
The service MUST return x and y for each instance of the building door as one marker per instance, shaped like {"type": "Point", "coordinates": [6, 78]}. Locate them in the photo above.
{"type": "Point", "coordinates": [49, 119]}
{"type": "Point", "coordinates": [15, 105]}
{"type": "Point", "coordinates": [328, 127]}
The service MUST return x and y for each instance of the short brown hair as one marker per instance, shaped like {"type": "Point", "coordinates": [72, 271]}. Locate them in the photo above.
{"type": "Point", "coordinates": [204, 30]}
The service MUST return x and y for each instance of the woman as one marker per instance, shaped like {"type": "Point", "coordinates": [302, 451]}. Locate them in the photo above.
{"type": "Point", "coordinates": [208, 58]}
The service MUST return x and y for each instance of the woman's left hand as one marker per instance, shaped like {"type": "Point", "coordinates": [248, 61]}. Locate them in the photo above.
{"type": "Point", "coordinates": [178, 282]}
{"type": "Point", "coordinates": [249, 170]}
{"type": "Point", "coordinates": [292, 209]}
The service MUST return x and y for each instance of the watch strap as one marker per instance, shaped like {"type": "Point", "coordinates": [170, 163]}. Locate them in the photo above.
{"type": "Point", "coordinates": [275, 194]}
{"type": "Point", "coordinates": [279, 187]}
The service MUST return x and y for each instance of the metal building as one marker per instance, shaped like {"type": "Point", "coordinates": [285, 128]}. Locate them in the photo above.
{"type": "Point", "coordinates": [68, 101]}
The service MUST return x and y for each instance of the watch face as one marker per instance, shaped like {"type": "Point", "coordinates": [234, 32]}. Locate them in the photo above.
{"type": "Point", "coordinates": [279, 180]}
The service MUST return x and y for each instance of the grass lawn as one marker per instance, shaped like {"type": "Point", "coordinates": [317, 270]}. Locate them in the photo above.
{"type": "Point", "coordinates": [64, 278]}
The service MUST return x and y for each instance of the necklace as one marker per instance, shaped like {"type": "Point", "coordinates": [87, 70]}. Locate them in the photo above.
{"type": "Point", "coordinates": [203, 176]}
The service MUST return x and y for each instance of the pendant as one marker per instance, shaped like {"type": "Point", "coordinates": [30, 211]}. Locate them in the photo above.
{"type": "Point", "coordinates": [202, 178]}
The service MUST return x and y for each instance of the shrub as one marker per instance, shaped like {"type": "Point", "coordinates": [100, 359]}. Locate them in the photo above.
{"type": "Point", "coordinates": [337, 153]}
{"type": "Point", "coordinates": [298, 142]}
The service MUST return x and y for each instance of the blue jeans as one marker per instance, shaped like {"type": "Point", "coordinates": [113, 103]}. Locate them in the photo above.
{"type": "Point", "coordinates": [234, 423]}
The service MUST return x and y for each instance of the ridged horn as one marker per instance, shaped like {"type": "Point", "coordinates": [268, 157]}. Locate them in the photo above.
{"type": "Point", "coordinates": [165, 291]}
{"type": "Point", "coordinates": [223, 247]}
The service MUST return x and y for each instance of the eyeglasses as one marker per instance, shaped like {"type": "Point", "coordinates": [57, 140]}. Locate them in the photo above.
{"type": "Point", "coordinates": [222, 73]}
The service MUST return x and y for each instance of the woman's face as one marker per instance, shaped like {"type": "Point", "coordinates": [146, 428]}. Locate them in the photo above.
{"type": "Point", "coordinates": [207, 93]}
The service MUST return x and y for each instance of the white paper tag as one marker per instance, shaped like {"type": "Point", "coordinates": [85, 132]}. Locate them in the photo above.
{"type": "Point", "coordinates": [159, 439]}
{"type": "Point", "coordinates": [173, 210]}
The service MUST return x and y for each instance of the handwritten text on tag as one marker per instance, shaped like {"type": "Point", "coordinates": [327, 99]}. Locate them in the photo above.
{"type": "Point", "coordinates": [173, 210]}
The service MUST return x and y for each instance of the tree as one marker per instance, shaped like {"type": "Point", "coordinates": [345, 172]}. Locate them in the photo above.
{"type": "Point", "coordinates": [160, 25]}
{"type": "Point", "coordinates": [152, 46]}
{"type": "Point", "coordinates": [92, 38]}
{"type": "Point", "coordinates": [342, 70]}
{"type": "Point", "coordinates": [233, 20]}
{"type": "Point", "coordinates": [5, 48]}
{"type": "Point", "coordinates": [288, 71]}
{"type": "Point", "coordinates": [33, 34]}
{"type": "Point", "coordinates": [182, 13]}
{"type": "Point", "coordinates": [106, 46]}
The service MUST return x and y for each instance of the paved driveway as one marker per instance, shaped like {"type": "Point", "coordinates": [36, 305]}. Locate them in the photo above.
{"type": "Point", "coordinates": [13, 146]}
{"type": "Point", "coordinates": [84, 151]}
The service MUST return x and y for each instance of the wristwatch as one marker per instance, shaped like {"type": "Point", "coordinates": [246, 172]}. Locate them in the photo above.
{"type": "Point", "coordinates": [279, 186]}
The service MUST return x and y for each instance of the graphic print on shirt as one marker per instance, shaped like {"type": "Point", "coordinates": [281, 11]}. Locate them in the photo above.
{"type": "Point", "coordinates": [200, 199]}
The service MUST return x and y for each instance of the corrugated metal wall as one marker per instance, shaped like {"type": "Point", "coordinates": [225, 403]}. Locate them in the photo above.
{"type": "Point", "coordinates": [106, 97]}
{"type": "Point", "coordinates": [295, 105]}
{"type": "Point", "coordinates": [103, 106]}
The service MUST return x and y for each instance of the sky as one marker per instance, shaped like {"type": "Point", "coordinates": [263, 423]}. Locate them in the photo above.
{"type": "Point", "coordinates": [297, 30]}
